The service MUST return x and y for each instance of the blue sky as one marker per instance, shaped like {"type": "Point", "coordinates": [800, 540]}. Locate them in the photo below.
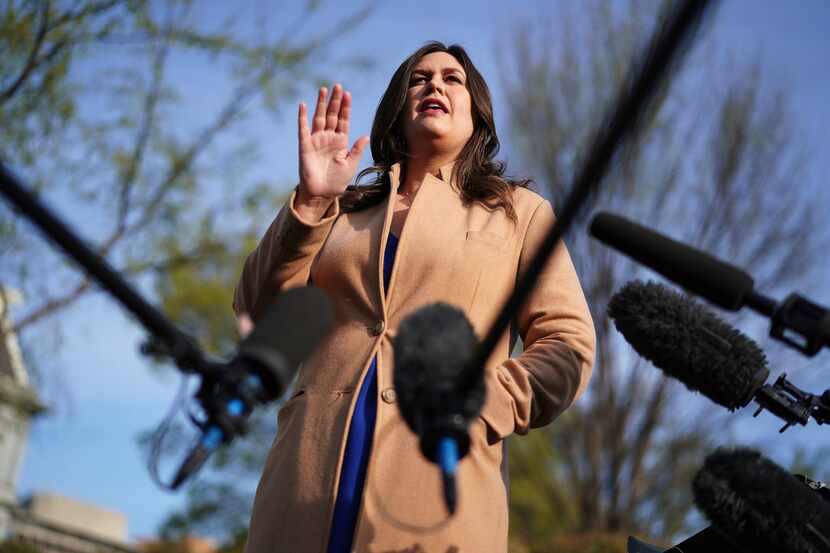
{"type": "Point", "coordinates": [87, 449]}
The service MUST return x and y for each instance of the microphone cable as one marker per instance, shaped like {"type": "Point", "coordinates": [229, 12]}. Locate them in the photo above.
{"type": "Point", "coordinates": [160, 433]}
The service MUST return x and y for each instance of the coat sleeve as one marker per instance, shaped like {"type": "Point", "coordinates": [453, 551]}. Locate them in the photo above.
{"type": "Point", "coordinates": [559, 343]}
{"type": "Point", "coordinates": [282, 259]}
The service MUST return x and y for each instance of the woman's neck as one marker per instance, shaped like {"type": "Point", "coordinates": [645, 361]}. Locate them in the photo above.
{"type": "Point", "coordinates": [417, 168]}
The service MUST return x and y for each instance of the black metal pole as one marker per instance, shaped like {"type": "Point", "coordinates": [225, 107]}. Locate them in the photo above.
{"type": "Point", "coordinates": [664, 49]}
{"type": "Point", "coordinates": [179, 345]}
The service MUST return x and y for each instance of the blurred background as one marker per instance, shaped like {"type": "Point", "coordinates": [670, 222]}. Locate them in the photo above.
{"type": "Point", "coordinates": [165, 132]}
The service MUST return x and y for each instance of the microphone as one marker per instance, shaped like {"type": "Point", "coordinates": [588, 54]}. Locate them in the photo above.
{"type": "Point", "coordinates": [265, 364]}
{"type": "Point", "coordinates": [688, 342]}
{"type": "Point", "coordinates": [721, 283]}
{"type": "Point", "coordinates": [286, 334]}
{"type": "Point", "coordinates": [759, 505]}
{"type": "Point", "coordinates": [796, 321]}
{"type": "Point", "coordinates": [433, 350]}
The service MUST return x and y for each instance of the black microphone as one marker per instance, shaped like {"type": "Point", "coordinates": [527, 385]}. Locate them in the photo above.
{"type": "Point", "coordinates": [433, 348]}
{"type": "Point", "coordinates": [688, 342]}
{"type": "Point", "coordinates": [796, 321]}
{"type": "Point", "coordinates": [286, 334]}
{"type": "Point", "coordinates": [265, 364]}
{"type": "Point", "coordinates": [759, 505]}
{"type": "Point", "coordinates": [721, 283]}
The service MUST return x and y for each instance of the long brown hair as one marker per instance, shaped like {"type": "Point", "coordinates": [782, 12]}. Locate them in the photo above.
{"type": "Point", "coordinates": [480, 178]}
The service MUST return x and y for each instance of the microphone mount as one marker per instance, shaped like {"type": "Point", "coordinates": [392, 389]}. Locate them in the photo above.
{"type": "Point", "coordinates": [227, 393]}
{"type": "Point", "coordinates": [795, 406]}
{"type": "Point", "coordinates": [809, 320]}
{"type": "Point", "coordinates": [798, 322]}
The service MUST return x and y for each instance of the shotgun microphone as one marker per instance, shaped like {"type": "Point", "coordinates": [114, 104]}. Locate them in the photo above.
{"type": "Point", "coordinates": [760, 505]}
{"type": "Point", "coordinates": [721, 283]}
{"type": "Point", "coordinates": [798, 322]}
{"type": "Point", "coordinates": [686, 341]}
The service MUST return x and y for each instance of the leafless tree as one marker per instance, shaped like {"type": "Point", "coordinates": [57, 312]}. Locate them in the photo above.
{"type": "Point", "coordinates": [718, 165]}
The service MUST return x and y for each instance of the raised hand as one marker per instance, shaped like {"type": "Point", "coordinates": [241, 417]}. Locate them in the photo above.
{"type": "Point", "coordinates": [327, 165]}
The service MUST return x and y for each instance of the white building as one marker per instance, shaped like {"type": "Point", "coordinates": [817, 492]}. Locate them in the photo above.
{"type": "Point", "coordinates": [49, 521]}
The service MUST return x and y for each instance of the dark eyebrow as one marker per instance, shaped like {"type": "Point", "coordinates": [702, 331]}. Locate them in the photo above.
{"type": "Point", "coordinates": [444, 71]}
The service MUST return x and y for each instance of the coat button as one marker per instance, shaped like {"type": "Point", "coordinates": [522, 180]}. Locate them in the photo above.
{"type": "Point", "coordinates": [377, 328]}
{"type": "Point", "coordinates": [388, 395]}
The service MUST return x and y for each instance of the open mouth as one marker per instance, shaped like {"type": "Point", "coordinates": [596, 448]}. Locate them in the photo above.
{"type": "Point", "coordinates": [433, 106]}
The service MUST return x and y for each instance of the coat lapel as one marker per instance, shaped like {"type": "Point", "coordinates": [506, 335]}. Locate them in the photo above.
{"type": "Point", "coordinates": [394, 178]}
{"type": "Point", "coordinates": [435, 226]}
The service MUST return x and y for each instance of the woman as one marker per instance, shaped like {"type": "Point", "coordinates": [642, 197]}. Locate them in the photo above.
{"type": "Point", "coordinates": [441, 223]}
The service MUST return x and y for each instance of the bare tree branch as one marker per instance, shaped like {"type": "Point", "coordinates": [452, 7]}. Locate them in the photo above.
{"type": "Point", "coordinates": [35, 60]}
{"type": "Point", "coordinates": [32, 59]}
{"type": "Point", "coordinates": [148, 112]}
{"type": "Point", "coordinates": [85, 285]}
{"type": "Point", "coordinates": [712, 168]}
{"type": "Point", "coordinates": [52, 304]}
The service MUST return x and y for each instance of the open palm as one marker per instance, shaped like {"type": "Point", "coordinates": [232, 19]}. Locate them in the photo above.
{"type": "Point", "coordinates": [327, 165]}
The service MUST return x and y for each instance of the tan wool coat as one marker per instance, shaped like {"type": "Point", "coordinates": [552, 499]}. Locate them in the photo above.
{"type": "Point", "coordinates": [465, 255]}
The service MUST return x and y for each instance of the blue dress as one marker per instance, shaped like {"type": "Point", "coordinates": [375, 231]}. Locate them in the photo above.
{"type": "Point", "coordinates": [359, 442]}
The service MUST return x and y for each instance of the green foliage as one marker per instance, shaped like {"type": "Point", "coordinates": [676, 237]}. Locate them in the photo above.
{"type": "Point", "coordinates": [236, 544]}
{"type": "Point", "coordinates": [587, 543]}
{"type": "Point", "coordinates": [89, 101]}
{"type": "Point", "coordinates": [198, 296]}
{"type": "Point", "coordinates": [18, 546]}
{"type": "Point", "coordinates": [595, 542]}
{"type": "Point", "coordinates": [539, 506]}
{"type": "Point", "coordinates": [40, 41]}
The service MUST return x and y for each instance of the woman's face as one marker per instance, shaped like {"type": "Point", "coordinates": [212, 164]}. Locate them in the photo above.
{"type": "Point", "coordinates": [437, 115]}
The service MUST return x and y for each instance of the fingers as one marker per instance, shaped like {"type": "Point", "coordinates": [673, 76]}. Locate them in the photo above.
{"type": "Point", "coordinates": [345, 113]}
{"type": "Point", "coordinates": [334, 107]}
{"type": "Point", "coordinates": [320, 111]}
{"type": "Point", "coordinates": [357, 149]}
{"type": "Point", "coordinates": [333, 115]}
{"type": "Point", "coordinates": [302, 123]}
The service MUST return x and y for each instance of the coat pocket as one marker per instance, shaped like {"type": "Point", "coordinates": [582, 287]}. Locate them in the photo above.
{"type": "Point", "coordinates": [491, 256]}
{"type": "Point", "coordinates": [488, 238]}
{"type": "Point", "coordinates": [289, 412]}
{"type": "Point", "coordinates": [498, 411]}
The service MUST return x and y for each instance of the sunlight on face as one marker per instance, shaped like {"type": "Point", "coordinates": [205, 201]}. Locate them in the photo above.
{"type": "Point", "coordinates": [437, 115]}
